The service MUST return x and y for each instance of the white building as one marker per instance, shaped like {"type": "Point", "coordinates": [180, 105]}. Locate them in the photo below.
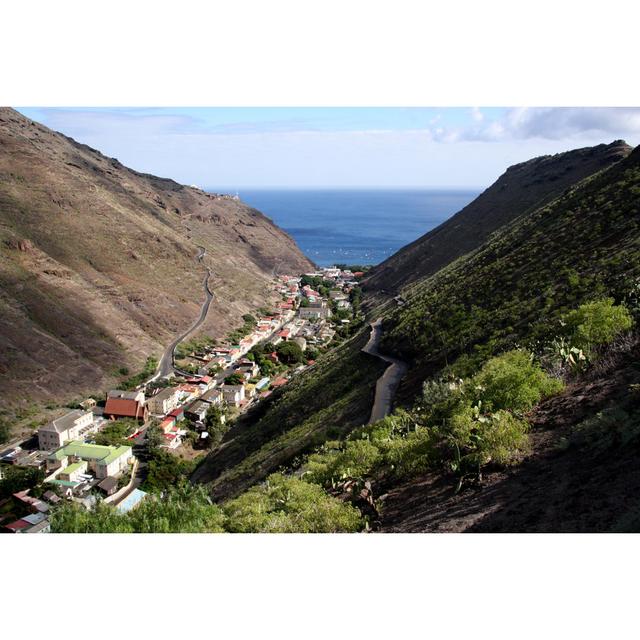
{"type": "Point", "coordinates": [61, 430]}
{"type": "Point", "coordinates": [233, 394]}
{"type": "Point", "coordinates": [164, 402]}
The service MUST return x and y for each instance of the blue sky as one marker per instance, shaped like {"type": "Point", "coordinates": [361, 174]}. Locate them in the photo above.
{"type": "Point", "coordinates": [235, 148]}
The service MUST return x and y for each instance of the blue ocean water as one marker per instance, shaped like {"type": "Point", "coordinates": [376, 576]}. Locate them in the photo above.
{"type": "Point", "coordinates": [356, 226]}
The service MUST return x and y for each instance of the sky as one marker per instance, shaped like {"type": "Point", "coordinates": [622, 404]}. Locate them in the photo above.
{"type": "Point", "coordinates": [299, 147]}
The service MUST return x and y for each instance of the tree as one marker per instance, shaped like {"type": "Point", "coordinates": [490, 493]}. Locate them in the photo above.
{"type": "Point", "coordinates": [154, 437]}
{"type": "Point", "coordinates": [289, 352]}
{"type": "Point", "coordinates": [216, 424]}
{"type": "Point", "coordinates": [311, 353]}
{"type": "Point", "coordinates": [234, 379]}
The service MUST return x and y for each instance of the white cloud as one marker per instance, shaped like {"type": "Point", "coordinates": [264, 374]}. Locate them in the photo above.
{"type": "Point", "coordinates": [554, 123]}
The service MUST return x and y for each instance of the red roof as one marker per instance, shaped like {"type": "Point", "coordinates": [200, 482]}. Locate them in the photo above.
{"type": "Point", "coordinates": [176, 412]}
{"type": "Point", "coordinates": [123, 407]}
{"type": "Point", "coordinates": [279, 382]}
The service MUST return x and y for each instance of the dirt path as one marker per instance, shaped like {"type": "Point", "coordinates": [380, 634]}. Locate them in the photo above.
{"type": "Point", "coordinates": [165, 366]}
{"type": "Point", "coordinates": [389, 380]}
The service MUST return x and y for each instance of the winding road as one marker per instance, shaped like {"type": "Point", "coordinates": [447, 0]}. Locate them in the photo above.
{"type": "Point", "coordinates": [389, 380]}
{"type": "Point", "coordinates": [165, 366]}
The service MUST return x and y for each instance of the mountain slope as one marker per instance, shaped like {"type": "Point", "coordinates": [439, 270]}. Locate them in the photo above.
{"type": "Point", "coordinates": [484, 302]}
{"type": "Point", "coordinates": [521, 188]}
{"type": "Point", "coordinates": [583, 244]}
{"type": "Point", "coordinates": [98, 263]}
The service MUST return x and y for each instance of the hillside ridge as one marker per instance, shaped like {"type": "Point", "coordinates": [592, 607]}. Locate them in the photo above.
{"type": "Point", "coordinates": [98, 267]}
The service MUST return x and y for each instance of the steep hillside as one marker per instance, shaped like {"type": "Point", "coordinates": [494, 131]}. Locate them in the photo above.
{"type": "Point", "coordinates": [98, 263]}
{"type": "Point", "coordinates": [325, 402]}
{"type": "Point", "coordinates": [332, 398]}
{"type": "Point", "coordinates": [583, 244]}
{"type": "Point", "coordinates": [521, 188]}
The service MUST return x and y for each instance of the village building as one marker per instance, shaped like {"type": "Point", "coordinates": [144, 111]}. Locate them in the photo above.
{"type": "Point", "coordinates": [101, 460]}
{"type": "Point", "coordinates": [233, 394]}
{"type": "Point", "coordinates": [315, 310]}
{"type": "Point", "coordinates": [68, 427]}
{"type": "Point", "coordinates": [197, 410]}
{"type": "Point", "coordinates": [108, 486]}
{"type": "Point", "coordinates": [213, 397]}
{"type": "Point", "coordinates": [262, 384]}
{"type": "Point", "coordinates": [126, 404]}
{"type": "Point", "coordinates": [164, 401]}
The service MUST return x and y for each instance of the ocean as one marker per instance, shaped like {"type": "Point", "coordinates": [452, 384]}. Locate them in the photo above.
{"type": "Point", "coordinates": [356, 226]}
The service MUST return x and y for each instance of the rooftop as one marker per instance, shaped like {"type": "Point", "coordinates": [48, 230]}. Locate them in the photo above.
{"type": "Point", "coordinates": [99, 452]}
{"type": "Point", "coordinates": [65, 422]}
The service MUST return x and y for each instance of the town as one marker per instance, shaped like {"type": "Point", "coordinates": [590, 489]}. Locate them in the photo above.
{"type": "Point", "coordinates": [100, 450]}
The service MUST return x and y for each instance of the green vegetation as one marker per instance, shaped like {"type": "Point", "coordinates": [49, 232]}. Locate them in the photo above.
{"type": "Point", "coordinates": [234, 379]}
{"type": "Point", "coordinates": [194, 345]}
{"type": "Point", "coordinates": [518, 287]}
{"type": "Point", "coordinates": [289, 353]}
{"type": "Point", "coordinates": [216, 424]}
{"type": "Point", "coordinates": [181, 509]}
{"type": "Point", "coordinates": [288, 505]}
{"type": "Point", "coordinates": [17, 479]}
{"type": "Point", "coordinates": [323, 403]}
{"type": "Point", "coordinates": [596, 323]}
{"type": "Point", "coordinates": [115, 433]}
{"type": "Point", "coordinates": [249, 325]}
{"type": "Point", "coordinates": [512, 381]}
{"type": "Point", "coordinates": [457, 426]}
{"type": "Point", "coordinates": [166, 470]}
{"type": "Point", "coordinates": [5, 430]}
{"type": "Point", "coordinates": [134, 381]}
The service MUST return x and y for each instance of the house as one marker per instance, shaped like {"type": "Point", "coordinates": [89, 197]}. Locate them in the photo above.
{"type": "Point", "coordinates": [33, 523]}
{"type": "Point", "coordinates": [33, 504]}
{"type": "Point", "coordinates": [272, 357]}
{"type": "Point", "coordinates": [126, 404]}
{"type": "Point", "coordinates": [197, 410]}
{"type": "Point", "coordinates": [279, 382]}
{"type": "Point", "coordinates": [101, 460]}
{"type": "Point", "coordinates": [213, 397]}
{"type": "Point", "coordinates": [74, 471]}
{"type": "Point", "coordinates": [343, 304]}
{"type": "Point", "coordinates": [284, 334]}
{"type": "Point", "coordinates": [167, 424]}
{"type": "Point", "coordinates": [88, 404]}
{"type": "Point", "coordinates": [315, 310]}
{"type": "Point", "coordinates": [68, 427]}
{"type": "Point", "coordinates": [178, 414]}
{"type": "Point", "coordinates": [262, 384]}
{"type": "Point", "coordinates": [188, 392]}
{"type": "Point", "coordinates": [108, 486]}
{"type": "Point", "coordinates": [233, 394]}
{"type": "Point", "coordinates": [51, 497]}
{"type": "Point", "coordinates": [164, 401]}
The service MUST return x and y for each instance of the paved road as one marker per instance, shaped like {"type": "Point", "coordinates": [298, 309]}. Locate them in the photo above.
{"type": "Point", "coordinates": [389, 380]}
{"type": "Point", "coordinates": [165, 366]}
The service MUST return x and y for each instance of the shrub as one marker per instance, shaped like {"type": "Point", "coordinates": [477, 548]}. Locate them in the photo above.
{"type": "Point", "coordinates": [181, 509]}
{"type": "Point", "coordinates": [512, 381]}
{"type": "Point", "coordinates": [356, 460]}
{"type": "Point", "coordinates": [289, 505]}
{"type": "Point", "coordinates": [412, 454]}
{"type": "Point", "coordinates": [597, 323]}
